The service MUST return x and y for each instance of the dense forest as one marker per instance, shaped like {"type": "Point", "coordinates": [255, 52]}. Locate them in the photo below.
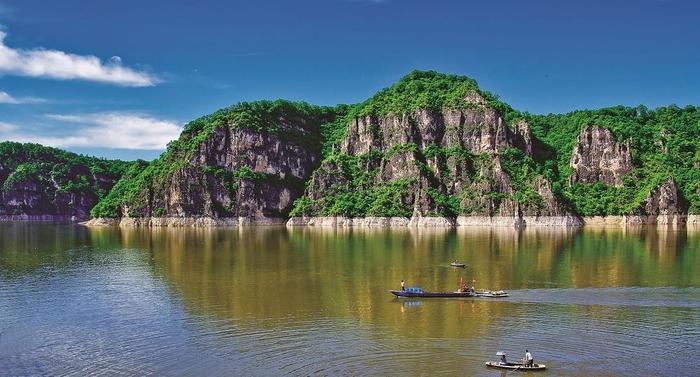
{"type": "Point", "coordinates": [665, 143]}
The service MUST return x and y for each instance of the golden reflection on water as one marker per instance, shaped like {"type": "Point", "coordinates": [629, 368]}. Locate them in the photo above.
{"type": "Point", "coordinates": [318, 281]}
{"type": "Point", "coordinates": [271, 272]}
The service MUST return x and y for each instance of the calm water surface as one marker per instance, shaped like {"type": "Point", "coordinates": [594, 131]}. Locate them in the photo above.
{"type": "Point", "coordinates": [273, 301]}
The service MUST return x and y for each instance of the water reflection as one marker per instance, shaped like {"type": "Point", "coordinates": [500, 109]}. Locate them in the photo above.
{"type": "Point", "coordinates": [272, 300]}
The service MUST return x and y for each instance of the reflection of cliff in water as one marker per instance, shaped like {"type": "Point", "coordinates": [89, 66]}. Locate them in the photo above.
{"type": "Point", "coordinates": [303, 274]}
{"type": "Point", "coordinates": [25, 247]}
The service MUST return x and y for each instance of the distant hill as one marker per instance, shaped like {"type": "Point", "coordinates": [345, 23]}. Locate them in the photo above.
{"type": "Point", "coordinates": [43, 183]}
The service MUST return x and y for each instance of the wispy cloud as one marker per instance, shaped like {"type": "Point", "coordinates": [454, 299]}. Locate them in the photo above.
{"type": "Point", "coordinates": [7, 127]}
{"type": "Point", "coordinates": [55, 64]}
{"type": "Point", "coordinates": [115, 130]}
{"type": "Point", "coordinates": [6, 98]}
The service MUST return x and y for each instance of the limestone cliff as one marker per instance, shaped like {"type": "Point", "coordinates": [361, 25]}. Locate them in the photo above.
{"type": "Point", "coordinates": [41, 183]}
{"type": "Point", "coordinates": [449, 161]}
{"type": "Point", "coordinates": [432, 150]}
{"type": "Point", "coordinates": [248, 161]}
{"type": "Point", "coordinates": [598, 157]}
{"type": "Point", "coordinates": [664, 199]}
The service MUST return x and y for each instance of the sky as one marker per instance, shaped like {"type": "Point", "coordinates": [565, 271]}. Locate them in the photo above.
{"type": "Point", "coordinates": [119, 79]}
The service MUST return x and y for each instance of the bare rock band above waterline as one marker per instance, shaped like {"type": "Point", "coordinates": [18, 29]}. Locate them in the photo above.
{"type": "Point", "coordinates": [403, 222]}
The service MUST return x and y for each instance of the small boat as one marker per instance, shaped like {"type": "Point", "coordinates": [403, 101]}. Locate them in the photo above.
{"type": "Point", "coordinates": [503, 364]}
{"type": "Point", "coordinates": [457, 264]}
{"type": "Point", "coordinates": [515, 366]}
{"type": "Point", "coordinates": [491, 294]}
{"type": "Point", "coordinates": [419, 292]}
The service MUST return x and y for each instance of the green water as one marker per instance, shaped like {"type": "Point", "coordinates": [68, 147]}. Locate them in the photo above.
{"type": "Point", "coordinates": [277, 301]}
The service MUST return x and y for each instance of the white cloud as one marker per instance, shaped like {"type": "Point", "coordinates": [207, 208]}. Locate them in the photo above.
{"type": "Point", "coordinates": [7, 127]}
{"type": "Point", "coordinates": [6, 98]}
{"type": "Point", "coordinates": [104, 130]}
{"type": "Point", "coordinates": [60, 65]}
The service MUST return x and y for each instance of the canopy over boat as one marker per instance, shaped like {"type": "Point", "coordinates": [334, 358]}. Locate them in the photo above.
{"type": "Point", "coordinates": [500, 353]}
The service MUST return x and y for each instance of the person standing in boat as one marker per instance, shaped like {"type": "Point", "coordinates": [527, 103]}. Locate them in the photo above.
{"type": "Point", "coordinates": [403, 285]}
{"type": "Point", "coordinates": [529, 362]}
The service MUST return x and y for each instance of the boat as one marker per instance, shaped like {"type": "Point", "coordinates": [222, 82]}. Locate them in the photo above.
{"type": "Point", "coordinates": [419, 292]}
{"type": "Point", "coordinates": [457, 264]}
{"type": "Point", "coordinates": [515, 366]}
{"type": "Point", "coordinates": [503, 364]}
{"type": "Point", "coordinates": [491, 294]}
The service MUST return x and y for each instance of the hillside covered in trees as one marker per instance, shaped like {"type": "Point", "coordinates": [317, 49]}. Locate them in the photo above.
{"type": "Point", "coordinates": [43, 183]}
{"type": "Point", "coordinates": [431, 145]}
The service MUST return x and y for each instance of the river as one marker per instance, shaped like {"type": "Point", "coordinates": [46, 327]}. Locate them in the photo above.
{"type": "Point", "coordinates": [275, 301]}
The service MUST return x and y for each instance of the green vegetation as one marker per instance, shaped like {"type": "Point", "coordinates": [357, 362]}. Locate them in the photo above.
{"type": "Point", "coordinates": [665, 143]}
{"type": "Point", "coordinates": [428, 90]}
{"type": "Point", "coordinates": [56, 171]}
{"type": "Point", "coordinates": [143, 190]}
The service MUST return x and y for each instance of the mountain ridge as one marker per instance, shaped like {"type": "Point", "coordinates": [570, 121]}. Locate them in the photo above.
{"type": "Point", "coordinates": [431, 145]}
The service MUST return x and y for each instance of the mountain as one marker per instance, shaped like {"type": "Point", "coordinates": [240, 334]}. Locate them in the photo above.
{"type": "Point", "coordinates": [432, 149]}
{"type": "Point", "coordinates": [42, 183]}
{"type": "Point", "coordinates": [433, 145]}
{"type": "Point", "coordinates": [248, 161]}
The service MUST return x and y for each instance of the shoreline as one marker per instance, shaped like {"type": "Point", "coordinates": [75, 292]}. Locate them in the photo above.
{"type": "Point", "coordinates": [403, 222]}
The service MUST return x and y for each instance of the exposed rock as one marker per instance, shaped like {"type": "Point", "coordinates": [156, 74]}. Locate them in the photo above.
{"type": "Point", "coordinates": [341, 221]}
{"type": "Point", "coordinates": [45, 184]}
{"type": "Point", "coordinates": [598, 157]}
{"type": "Point", "coordinates": [693, 220]}
{"type": "Point", "coordinates": [663, 205]}
{"type": "Point", "coordinates": [181, 222]}
{"type": "Point", "coordinates": [522, 137]}
{"type": "Point", "coordinates": [237, 171]}
{"type": "Point", "coordinates": [467, 164]}
{"type": "Point", "coordinates": [664, 200]}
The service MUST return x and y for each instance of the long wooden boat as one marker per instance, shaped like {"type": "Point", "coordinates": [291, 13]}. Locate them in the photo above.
{"type": "Point", "coordinates": [515, 366]}
{"type": "Point", "coordinates": [458, 265]}
{"type": "Point", "coordinates": [417, 292]}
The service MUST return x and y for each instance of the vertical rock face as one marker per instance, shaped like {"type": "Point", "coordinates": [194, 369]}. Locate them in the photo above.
{"type": "Point", "coordinates": [597, 157]}
{"type": "Point", "coordinates": [522, 137]}
{"type": "Point", "coordinates": [449, 162]}
{"type": "Point", "coordinates": [241, 163]}
{"type": "Point", "coordinates": [664, 200]}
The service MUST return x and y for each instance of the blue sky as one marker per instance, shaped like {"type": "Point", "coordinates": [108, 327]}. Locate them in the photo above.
{"type": "Point", "coordinates": [120, 78]}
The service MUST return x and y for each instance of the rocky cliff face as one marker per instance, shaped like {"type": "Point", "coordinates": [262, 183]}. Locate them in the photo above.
{"type": "Point", "coordinates": [278, 169]}
{"type": "Point", "coordinates": [432, 149]}
{"type": "Point", "coordinates": [240, 162]}
{"type": "Point", "coordinates": [41, 183]}
{"type": "Point", "coordinates": [598, 157]}
{"type": "Point", "coordinates": [433, 163]}
{"type": "Point", "coordinates": [664, 199]}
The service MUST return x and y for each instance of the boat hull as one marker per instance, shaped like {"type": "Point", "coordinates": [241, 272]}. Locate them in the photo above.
{"type": "Point", "coordinates": [515, 366]}
{"type": "Point", "coordinates": [432, 294]}
{"type": "Point", "coordinates": [491, 294]}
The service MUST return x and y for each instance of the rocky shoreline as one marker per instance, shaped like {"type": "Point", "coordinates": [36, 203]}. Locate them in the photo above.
{"type": "Point", "coordinates": [398, 222]}
{"type": "Point", "coordinates": [40, 218]}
